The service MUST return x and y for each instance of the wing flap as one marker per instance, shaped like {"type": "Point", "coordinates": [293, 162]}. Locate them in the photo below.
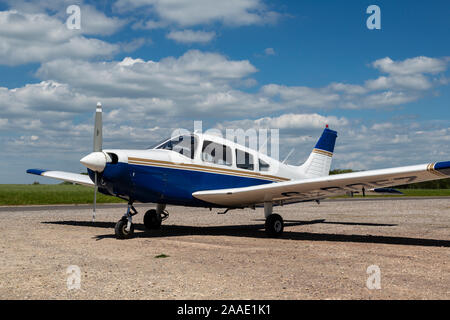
{"type": "Point", "coordinates": [323, 187]}
{"type": "Point", "coordinates": [64, 176]}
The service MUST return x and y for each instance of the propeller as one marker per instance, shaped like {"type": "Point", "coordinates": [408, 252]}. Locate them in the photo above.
{"type": "Point", "coordinates": [96, 161]}
{"type": "Point", "coordinates": [98, 141]}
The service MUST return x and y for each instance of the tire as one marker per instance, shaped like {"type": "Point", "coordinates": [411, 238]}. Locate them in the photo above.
{"type": "Point", "coordinates": [121, 233]}
{"type": "Point", "coordinates": [152, 220]}
{"type": "Point", "coordinates": [274, 225]}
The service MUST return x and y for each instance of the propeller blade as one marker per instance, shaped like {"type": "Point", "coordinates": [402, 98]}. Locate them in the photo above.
{"type": "Point", "coordinates": [98, 135]}
{"type": "Point", "coordinates": [98, 141]}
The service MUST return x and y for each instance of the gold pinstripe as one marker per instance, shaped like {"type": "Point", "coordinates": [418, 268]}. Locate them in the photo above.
{"type": "Point", "coordinates": [195, 167]}
{"type": "Point", "coordinates": [430, 168]}
{"type": "Point", "coordinates": [326, 153]}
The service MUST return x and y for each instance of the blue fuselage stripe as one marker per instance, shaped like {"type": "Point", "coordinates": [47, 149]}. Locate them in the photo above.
{"type": "Point", "coordinates": [146, 183]}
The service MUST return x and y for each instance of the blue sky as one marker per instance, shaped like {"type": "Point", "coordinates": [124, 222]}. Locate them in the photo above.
{"type": "Point", "coordinates": [291, 65]}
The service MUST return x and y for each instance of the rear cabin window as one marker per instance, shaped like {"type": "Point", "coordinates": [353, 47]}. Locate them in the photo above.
{"type": "Point", "coordinates": [244, 160]}
{"type": "Point", "coordinates": [263, 166]}
{"type": "Point", "coordinates": [216, 153]}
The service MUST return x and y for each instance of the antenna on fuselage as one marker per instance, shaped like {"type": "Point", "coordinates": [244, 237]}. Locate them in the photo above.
{"type": "Point", "coordinates": [289, 154]}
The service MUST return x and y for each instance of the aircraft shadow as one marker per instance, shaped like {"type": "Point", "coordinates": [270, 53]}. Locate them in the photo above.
{"type": "Point", "coordinates": [257, 231]}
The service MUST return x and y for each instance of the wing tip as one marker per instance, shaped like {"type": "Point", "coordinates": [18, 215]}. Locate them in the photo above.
{"type": "Point", "coordinates": [37, 172]}
{"type": "Point", "coordinates": [443, 167]}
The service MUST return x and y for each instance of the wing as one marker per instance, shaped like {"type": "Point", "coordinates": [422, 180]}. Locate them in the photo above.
{"type": "Point", "coordinates": [323, 187]}
{"type": "Point", "coordinates": [64, 176]}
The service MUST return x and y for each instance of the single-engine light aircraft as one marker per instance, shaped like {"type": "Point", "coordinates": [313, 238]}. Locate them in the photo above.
{"type": "Point", "coordinates": [201, 170]}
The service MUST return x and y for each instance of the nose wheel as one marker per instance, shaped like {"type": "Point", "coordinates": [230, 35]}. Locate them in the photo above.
{"type": "Point", "coordinates": [122, 230]}
{"type": "Point", "coordinates": [124, 227]}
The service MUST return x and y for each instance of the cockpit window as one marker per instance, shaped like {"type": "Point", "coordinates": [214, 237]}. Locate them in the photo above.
{"type": "Point", "coordinates": [216, 153]}
{"type": "Point", "coordinates": [184, 145]}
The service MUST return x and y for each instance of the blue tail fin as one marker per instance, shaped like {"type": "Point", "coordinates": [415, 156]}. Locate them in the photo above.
{"type": "Point", "coordinates": [327, 140]}
{"type": "Point", "coordinates": [319, 161]}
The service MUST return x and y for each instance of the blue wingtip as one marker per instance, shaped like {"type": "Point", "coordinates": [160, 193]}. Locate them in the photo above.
{"type": "Point", "coordinates": [443, 167]}
{"type": "Point", "coordinates": [327, 140]}
{"type": "Point", "coordinates": [38, 172]}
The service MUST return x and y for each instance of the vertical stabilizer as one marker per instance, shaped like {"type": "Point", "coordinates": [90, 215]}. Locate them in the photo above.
{"type": "Point", "coordinates": [319, 161]}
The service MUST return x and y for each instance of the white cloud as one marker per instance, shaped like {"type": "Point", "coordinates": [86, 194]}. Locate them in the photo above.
{"type": "Point", "coordinates": [411, 66]}
{"type": "Point", "coordinates": [412, 82]}
{"type": "Point", "coordinates": [135, 44]}
{"type": "Point", "coordinates": [389, 98]}
{"type": "Point", "coordinates": [93, 22]}
{"type": "Point", "coordinates": [193, 73]}
{"type": "Point", "coordinates": [189, 13]}
{"type": "Point", "coordinates": [191, 36]}
{"type": "Point", "coordinates": [46, 96]}
{"type": "Point", "coordinates": [407, 81]}
{"type": "Point", "coordinates": [288, 121]}
{"type": "Point", "coordinates": [302, 96]}
{"type": "Point", "coordinates": [149, 25]}
{"type": "Point", "coordinates": [382, 126]}
{"type": "Point", "coordinates": [269, 52]}
{"type": "Point", "coordinates": [347, 88]}
{"type": "Point", "coordinates": [29, 38]}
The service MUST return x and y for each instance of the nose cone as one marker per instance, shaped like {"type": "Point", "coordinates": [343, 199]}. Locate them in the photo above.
{"type": "Point", "coordinates": [96, 161]}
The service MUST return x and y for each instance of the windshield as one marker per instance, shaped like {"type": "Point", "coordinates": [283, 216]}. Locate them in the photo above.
{"type": "Point", "coordinates": [184, 145]}
{"type": "Point", "coordinates": [153, 146]}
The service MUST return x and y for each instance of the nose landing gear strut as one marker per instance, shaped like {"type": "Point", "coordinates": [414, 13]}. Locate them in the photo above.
{"type": "Point", "coordinates": [124, 227]}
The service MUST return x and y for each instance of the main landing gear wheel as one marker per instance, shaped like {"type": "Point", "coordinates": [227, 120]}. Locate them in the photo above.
{"type": "Point", "coordinates": [122, 231]}
{"type": "Point", "coordinates": [274, 225]}
{"type": "Point", "coordinates": [152, 220]}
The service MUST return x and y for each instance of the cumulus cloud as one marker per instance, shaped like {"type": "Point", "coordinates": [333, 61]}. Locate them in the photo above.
{"type": "Point", "coordinates": [302, 96]}
{"type": "Point", "coordinates": [288, 121]}
{"type": "Point", "coordinates": [407, 81]}
{"type": "Point", "coordinates": [193, 73]}
{"type": "Point", "coordinates": [411, 66]}
{"type": "Point", "coordinates": [27, 37]}
{"type": "Point", "coordinates": [46, 96]}
{"type": "Point", "coordinates": [191, 36]}
{"type": "Point", "coordinates": [93, 22]}
{"type": "Point", "coordinates": [392, 144]}
{"type": "Point", "coordinates": [188, 13]}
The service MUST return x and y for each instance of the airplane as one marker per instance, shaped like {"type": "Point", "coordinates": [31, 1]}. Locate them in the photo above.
{"type": "Point", "coordinates": [208, 171]}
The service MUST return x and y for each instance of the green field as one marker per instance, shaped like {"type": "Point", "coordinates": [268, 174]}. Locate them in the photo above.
{"type": "Point", "coordinates": [23, 194]}
{"type": "Point", "coordinates": [40, 194]}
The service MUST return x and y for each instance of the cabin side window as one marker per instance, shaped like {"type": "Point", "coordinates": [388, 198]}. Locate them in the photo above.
{"type": "Point", "coordinates": [244, 160]}
{"type": "Point", "coordinates": [263, 166]}
{"type": "Point", "coordinates": [216, 153]}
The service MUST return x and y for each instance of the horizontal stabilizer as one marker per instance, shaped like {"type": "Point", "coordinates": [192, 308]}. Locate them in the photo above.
{"type": "Point", "coordinates": [386, 191]}
{"type": "Point", "coordinates": [64, 176]}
